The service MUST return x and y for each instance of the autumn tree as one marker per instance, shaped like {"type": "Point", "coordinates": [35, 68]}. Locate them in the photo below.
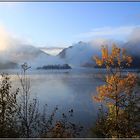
{"type": "Point", "coordinates": [117, 92]}
{"type": "Point", "coordinates": [65, 127]}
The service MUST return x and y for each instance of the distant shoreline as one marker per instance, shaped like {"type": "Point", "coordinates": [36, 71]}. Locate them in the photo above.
{"type": "Point", "coordinates": [56, 67]}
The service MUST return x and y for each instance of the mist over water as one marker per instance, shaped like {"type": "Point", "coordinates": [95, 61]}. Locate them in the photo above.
{"type": "Point", "coordinates": [70, 89]}
{"type": "Point", "coordinates": [67, 89]}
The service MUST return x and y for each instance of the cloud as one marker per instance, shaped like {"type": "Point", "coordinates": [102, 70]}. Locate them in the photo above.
{"type": "Point", "coordinates": [135, 34]}
{"type": "Point", "coordinates": [108, 32]}
{"type": "Point", "coordinates": [9, 40]}
{"type": "Point", "coordinates": [5, 38]}
{"type": "Point", "coordinates": [101, 41]}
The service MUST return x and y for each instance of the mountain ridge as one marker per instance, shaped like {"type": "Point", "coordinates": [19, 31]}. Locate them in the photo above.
{"type": "Point", "coordinates": [78, 55]}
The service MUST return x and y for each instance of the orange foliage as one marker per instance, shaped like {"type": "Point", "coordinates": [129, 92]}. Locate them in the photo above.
{"type": "Point", "coordinates": [116, 84]}
{"type": "Point", "coordinates": [115, 58]}
{"type": "Point", "coordinates": [117, 93]}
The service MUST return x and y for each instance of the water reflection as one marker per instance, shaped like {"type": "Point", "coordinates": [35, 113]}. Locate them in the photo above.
{"type": "Point", "coordinates": [68, 90]}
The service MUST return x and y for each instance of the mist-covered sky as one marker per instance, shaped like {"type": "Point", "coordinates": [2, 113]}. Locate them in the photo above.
{"type": "Point", "coordinates": [64, 23]}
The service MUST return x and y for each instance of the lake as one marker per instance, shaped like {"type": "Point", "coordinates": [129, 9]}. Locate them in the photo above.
{"type": "Point", "coordinates": [69, 89]}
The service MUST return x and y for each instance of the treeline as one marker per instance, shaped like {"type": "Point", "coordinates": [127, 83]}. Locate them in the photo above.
{"type": "Point", "coordinates": [64, 66]}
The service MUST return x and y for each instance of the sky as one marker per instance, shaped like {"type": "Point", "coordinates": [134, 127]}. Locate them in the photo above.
{"type": "Point", "coordinates": [61, 24]}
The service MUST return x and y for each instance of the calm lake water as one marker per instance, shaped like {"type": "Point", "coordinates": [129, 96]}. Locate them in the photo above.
{"type": "Point", "coordinates": [69, 89]}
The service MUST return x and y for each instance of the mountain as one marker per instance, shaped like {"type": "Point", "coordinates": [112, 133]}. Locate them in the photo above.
{"type": "Point", "coordinates": [82, 53]}
{"type": "Point", "coordinates": [78, 54]}
{"type": "Point", "coordinates": [14, 52]}
{"type": "Point", "coordinates": [52, 50]}
{"type": "Point", "coordinates": [8, 65]}
{"type": "Point", "coordinates": [133, 49]}
{"type": "Point", "coordinates": [20, 53]}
